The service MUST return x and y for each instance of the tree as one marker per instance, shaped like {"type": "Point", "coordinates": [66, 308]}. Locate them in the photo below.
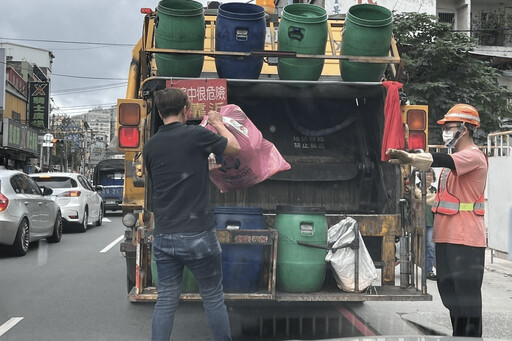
{"type": "Point", "coordinates": [440, 71]}
{"type": "Point", "coordinates": [493, 27]}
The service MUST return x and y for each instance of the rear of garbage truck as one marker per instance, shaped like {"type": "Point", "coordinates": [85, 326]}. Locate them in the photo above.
{"type": "Point", "coordinates": [331, 131]}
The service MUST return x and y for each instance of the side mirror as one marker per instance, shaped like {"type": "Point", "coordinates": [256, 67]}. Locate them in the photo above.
{"type": "Point", "coordinates": [47, 190]}
{"type": "Point", "coordinates": [98, 188]}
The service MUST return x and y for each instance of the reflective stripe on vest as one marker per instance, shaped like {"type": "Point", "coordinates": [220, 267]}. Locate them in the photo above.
{"type": "Point", "coordinates": [448, 204]}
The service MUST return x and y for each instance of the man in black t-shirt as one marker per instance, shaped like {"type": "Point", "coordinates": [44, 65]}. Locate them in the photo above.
{"type": "Point", "coordinates": [176, 159]}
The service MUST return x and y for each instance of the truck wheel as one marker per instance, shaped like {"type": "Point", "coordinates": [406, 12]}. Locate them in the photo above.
{"type": "Point", "coordinates": [129, 284]}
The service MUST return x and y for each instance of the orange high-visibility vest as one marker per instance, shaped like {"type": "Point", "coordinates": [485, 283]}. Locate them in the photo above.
{"type": "Point", "coordinates": [449, 204]}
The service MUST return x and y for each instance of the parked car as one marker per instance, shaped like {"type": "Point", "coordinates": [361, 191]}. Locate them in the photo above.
{"type": "Point", "coordinates": [27, 212]}
{"type": "Point", "coordinates": [78, 199]}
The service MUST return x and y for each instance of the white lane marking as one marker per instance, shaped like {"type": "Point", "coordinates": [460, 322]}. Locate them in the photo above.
{"type": "Point", "coordinates": [4, 328]}
{"type": "Point", "coordinates": [111, 245]}
{"type": "Point", "coordinates": [106, 220]}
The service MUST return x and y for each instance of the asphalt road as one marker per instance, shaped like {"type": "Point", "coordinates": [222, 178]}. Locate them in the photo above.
{"type": "Point", "coordinates": [72, 290]}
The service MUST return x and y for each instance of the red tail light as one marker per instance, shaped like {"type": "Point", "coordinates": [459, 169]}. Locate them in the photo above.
{"type": "Point", "coordinates": [417, 140]}
{"type": "Point", "coordinates": [129, 137]}
{"type": "Point", "coordinates": [130, 113]}
{"type": "Point", "coordinates": [70, 194]}
{"type": "Point", "coordinates": [3, 202]}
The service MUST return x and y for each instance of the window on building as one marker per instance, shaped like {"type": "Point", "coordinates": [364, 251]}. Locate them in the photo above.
{"type": "Point", "coordinates": [16, 116]}
{"type": "Point", "coordinates": [448, 18]}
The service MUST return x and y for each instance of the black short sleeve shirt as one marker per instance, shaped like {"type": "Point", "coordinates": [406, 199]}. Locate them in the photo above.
{"type": "Point", "coordinates": [176, 159]}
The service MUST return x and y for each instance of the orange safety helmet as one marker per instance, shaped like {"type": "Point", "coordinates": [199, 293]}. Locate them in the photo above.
{"type": "Point", "coordinates": [462, 113]}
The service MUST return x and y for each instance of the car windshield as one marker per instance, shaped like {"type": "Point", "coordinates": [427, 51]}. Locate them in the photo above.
{"type": "Point", "coordinates": [56, 182]}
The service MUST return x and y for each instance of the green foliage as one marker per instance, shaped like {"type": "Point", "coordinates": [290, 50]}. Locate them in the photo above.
{"type": "Point", "coordinates": [439, 70]}
{"type": "Point", "coordinates": [493, 28]}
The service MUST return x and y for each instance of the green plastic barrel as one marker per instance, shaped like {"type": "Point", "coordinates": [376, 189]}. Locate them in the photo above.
{"type": "Point", "coordinates": [368, 30]}
{"type": "Point", "coordinates": [180, 25]}
{"type": "Point", "coordinates": [301, 268]}
{"type": "Point", "coordinates": [303, 29]}
{"type": "Point", "coordinates": [189, 282]}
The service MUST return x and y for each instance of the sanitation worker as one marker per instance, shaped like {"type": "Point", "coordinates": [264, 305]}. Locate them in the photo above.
{"type": "Point", "coordinates": [176, 159]}
{"type": "Point", "coordinates": [459, 229]}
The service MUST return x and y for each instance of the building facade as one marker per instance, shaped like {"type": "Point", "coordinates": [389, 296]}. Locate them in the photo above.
{"type": "Point", "coordinates": [24, 104]}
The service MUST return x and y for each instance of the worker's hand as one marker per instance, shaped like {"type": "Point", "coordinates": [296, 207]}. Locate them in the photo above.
{"type": "Point", "coordinates": [212, 163]}
{"type": "Point", "coordinates": [214, 118]}
{"type": "Point", "coordinates": [398, 156]}
{"type": "Point", "coordinates": [422, 161]}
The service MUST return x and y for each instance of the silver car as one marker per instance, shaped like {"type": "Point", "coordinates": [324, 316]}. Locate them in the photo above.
{"type": "Point", "coordinates": [27, 212]}
{"type": "Point", "coordinates": [79, 201]}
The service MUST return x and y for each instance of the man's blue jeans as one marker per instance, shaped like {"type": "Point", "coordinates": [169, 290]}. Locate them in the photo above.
{"type": "Point", "coordinates": [201, 253]}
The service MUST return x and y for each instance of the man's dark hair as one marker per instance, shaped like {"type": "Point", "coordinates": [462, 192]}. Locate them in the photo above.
{"type": "Point", "coordinates": [170, 101]}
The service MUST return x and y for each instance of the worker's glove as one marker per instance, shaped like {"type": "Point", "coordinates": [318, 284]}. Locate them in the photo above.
{"type": "Point", "coordinates": [422, 161]}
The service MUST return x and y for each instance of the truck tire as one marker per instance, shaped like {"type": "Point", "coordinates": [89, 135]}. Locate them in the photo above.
{"type": "Point", "coordinates": [129, 284]}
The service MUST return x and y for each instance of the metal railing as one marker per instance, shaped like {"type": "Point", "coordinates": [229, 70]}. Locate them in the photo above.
{"type": "Point", "coordinates": [498, 144]}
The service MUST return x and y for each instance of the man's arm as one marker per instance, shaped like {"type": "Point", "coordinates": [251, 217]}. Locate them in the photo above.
{"type": "Point", "coordinates": [215, 119]}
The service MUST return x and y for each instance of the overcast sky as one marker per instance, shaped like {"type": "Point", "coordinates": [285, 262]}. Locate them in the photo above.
{"type": "Point", "coordinates": [85, 75]}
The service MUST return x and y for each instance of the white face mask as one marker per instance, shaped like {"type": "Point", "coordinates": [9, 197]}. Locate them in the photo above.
{"type": "Point", "coordinates": [448, 136]}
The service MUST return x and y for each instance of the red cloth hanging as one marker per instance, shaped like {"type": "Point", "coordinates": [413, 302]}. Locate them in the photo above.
{"type": "Point", "coordinates": [394, 135]}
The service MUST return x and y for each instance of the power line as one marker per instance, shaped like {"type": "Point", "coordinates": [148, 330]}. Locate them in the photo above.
{"type": "Point", "coordinates": [94, 87]}
{"type": "Point", "coordinates": [87, 77]}
{"type": "Point", "coordinates": [68, 42]}
{"type": "Point", "coordinates": [79, 91]}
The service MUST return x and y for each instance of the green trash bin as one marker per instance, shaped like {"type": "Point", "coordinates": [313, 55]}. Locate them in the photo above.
{"type": "Point", "coordinates": [303, 29]}
{"type": "Point", "coordinates": [179, 25]}
{"type": "Point", "coordinates": [367, 32]}
{"type": "Point", "coordinates": [301, 268]}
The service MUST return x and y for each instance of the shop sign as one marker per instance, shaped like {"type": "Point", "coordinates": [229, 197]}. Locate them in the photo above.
{"type": "Point", "coordinates": [203, 94]}
{"type": "Point", "coordinates": [38, 103]}
{"type": "Point", "coordinates": [19, 136]}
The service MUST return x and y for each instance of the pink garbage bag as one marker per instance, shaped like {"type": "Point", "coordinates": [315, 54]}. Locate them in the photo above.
{"type": "Point", "coordinates": [258, 159]}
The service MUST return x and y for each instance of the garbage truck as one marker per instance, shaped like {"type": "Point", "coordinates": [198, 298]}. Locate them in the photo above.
{"type": "Point", "coordinates": [109, 173]}
{"type": "Point", "coordinates": [329, 129]}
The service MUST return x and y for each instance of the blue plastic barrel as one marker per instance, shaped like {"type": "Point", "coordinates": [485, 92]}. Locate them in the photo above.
{"type": "Point", "coordinates": [242, 265]}
{"type": "Point", "coordinates": [240, 27]}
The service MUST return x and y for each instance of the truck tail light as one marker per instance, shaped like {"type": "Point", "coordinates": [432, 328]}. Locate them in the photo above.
{"type": "Point", "coordinates": [416, 117]}
{"type": "Point", "coordinates": [3, 202]}
{"type": "Point", "coordinates": [129, 116]}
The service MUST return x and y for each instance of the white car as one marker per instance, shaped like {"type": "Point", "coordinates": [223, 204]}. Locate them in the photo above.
{"type": "Point", "coordinates": [27, 212]}
{"type": "Point", "coordinates": [78, 199]}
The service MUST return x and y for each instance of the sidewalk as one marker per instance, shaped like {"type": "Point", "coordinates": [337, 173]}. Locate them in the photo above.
{"type": "Point", "coordinates": [496, 300]}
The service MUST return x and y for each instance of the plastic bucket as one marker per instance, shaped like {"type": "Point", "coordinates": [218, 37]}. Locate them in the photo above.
{"type": "Point", "coordinates": [240, 27]}
{"type": "Point", "coordinates": [368, 30]}
{"type": "Point", "coordinates": [294, 261]}
{"type": "Point", "coordinates": [303, 29]}
{"type": "Point", "coordinates": [179, 25]}
{"type": "Point", "coordinates": [242, 265]}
